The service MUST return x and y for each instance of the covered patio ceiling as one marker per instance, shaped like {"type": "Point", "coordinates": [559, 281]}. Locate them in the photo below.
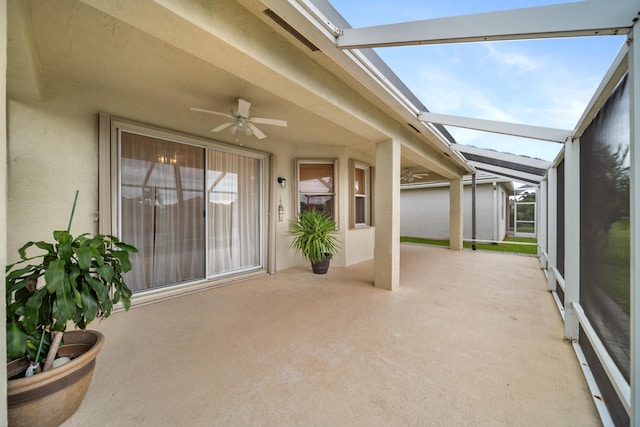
{"type": "Point", "coordinates": [43, 50]}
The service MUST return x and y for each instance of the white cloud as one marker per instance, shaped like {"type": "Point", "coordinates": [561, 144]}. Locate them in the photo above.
{"type": "Point", "coordinates": [506, 59]}
{"type": "Point", "coordinates": [447, 93]}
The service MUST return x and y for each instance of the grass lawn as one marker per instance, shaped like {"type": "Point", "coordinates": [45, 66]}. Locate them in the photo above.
{"type": "Point", "coordinates": [616, 259]}
{"type": "Point", "coordinates": [498, 247]}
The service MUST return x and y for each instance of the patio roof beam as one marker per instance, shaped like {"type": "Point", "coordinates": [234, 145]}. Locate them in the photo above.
{"type": "Point", "coordinates": [506, 157]}
{"type": "Point", "coordinates": [610, 81]}
{"type": "Point", "coordinates": [507, 173]}
{"type": "Point", "coordinates": [508, 165]}
{"type": "Point", "coordinates": [584, 18]}
{"type": "Point", "coordinates": [514, 129]}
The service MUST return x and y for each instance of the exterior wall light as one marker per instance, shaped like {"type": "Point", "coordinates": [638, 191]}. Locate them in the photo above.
{"type": "Point", "coordinates": [282, 181]}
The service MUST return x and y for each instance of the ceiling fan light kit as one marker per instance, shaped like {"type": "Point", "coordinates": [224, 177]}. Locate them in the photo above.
{"type": "Point", "coordinates": [241, 121]}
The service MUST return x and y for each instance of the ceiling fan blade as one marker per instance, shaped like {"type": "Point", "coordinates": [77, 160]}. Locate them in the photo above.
{"type": "Point", "coordinates": [263, 121]}
{"type": "Point", "coordinates": [216, 113]}
{"type": "Point", "coordinates": [243, 108]}
{"type": "Point", "coordinates": [222, 127]}
{"type": "Point", "coordinates": [257, 132]}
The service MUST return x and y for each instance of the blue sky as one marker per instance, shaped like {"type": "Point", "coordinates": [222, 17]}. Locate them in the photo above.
{"type": "Point", "coordinates": [538, 82]}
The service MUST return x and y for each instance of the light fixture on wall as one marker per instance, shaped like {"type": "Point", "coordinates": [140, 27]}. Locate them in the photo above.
{"type": "Point", "coordinates": [282, 181]}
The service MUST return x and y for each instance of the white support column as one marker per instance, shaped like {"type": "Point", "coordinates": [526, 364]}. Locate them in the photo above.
{"type": "Point", "coordinates": [387, 215]}
{"type": "Point", "coordinates": [572, 237]}
{"type": "Point", "coordinates": [541, 222]}
{"type": "Point", "coordinates": [456, 203]}
{"type": "Point", "coordinates": [552, 224]}
{"type": "Point", "coordinates": [634, 70]}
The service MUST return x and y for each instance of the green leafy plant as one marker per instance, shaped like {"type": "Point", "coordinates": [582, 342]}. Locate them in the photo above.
{"type": "Point", "coordinates": [314, 235]}
{"type": "Point", "coordinates": [83, 279]}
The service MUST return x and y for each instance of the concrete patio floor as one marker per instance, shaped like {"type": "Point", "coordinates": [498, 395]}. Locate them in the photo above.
{"type": "Point", "coordinates": [470, 338]}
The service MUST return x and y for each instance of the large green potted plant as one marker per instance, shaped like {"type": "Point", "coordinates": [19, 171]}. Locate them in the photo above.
{"type": "Point", "coordinates": [314, 236]}
{"type": "Point", "coordinates": [72, 281]}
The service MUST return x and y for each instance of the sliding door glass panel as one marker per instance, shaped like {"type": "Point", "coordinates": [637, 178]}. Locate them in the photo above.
{"type": "Point", "coordinates": [161, 210]}
{"type": "Point", "coordinates": [233, 212]}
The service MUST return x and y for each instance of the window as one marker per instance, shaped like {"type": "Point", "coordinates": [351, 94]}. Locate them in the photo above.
{"type": "Point", "coordinates": [361, 194]}
{"type": "Point", "coordinates": [193, 208]}
{"type": "Point", "coordinates": [316, 186]}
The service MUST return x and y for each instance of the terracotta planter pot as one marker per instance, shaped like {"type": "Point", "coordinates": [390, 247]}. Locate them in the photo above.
{"type": "Point", "coordinates": [49, 398]}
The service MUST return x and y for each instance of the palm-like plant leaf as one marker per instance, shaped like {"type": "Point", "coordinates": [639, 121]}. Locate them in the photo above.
{"type": "Point", "coordinates": [314, 235]}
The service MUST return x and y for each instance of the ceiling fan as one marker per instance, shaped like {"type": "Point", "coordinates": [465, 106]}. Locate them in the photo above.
{"type": "Point", "coordinates": [241, 121]}
{"type": "Point", "coordinates": [410, 176]}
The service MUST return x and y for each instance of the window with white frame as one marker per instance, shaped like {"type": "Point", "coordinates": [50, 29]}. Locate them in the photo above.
{"type": "Point", "coordinates": [317, 186]}
{"type": "Point", "coordinates": [361, 194]}
{"type": "Point", "coordinates": [193, 209]}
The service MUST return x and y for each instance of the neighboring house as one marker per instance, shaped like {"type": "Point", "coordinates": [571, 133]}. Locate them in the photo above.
{"type": "Point", "coordinates": [424, 208]}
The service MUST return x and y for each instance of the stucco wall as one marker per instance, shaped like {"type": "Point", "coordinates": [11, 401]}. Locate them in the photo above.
{"type": "Point", "coordinates": [356, 245]}
{"type": "Point", "coordinates": [424, 212]}
{"type": "Point", "coordinates": [145, 76]}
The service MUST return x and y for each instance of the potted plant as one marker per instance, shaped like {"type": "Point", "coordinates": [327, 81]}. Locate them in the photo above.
{"type": "Point", "coordinates": [314, 235]}
{"type": "Point", "coordinates": [82, 280]}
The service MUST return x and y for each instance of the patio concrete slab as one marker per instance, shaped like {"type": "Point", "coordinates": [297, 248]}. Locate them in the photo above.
{"type": "Point", "coordinates": [470, 338]}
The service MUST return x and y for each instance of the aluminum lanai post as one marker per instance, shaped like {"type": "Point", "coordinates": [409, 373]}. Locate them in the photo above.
{"type": "Point", "coordinates": [572, 237]}
{"type": "Point", "coordinates": [634, 70]}
{"type": "Point", "coordinates": [540, 222]}
{"type": "Point", "coordinates": [552, 221]}
{"type": "Point", "coordinates": [473, 211]}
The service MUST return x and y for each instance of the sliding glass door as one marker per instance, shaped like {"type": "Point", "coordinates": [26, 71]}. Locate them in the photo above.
{"type": "Point", "coordinates": [193, 212]}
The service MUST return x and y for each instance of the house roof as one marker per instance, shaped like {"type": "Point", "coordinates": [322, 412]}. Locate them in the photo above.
{"type": "Point", "coordinates": [510, 166]}
{"type": "Point", "coordinates": [482, 178]}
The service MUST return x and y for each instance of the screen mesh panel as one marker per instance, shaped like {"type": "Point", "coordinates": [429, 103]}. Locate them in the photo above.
{"type": "Point", "coordinates": [604, 227]}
